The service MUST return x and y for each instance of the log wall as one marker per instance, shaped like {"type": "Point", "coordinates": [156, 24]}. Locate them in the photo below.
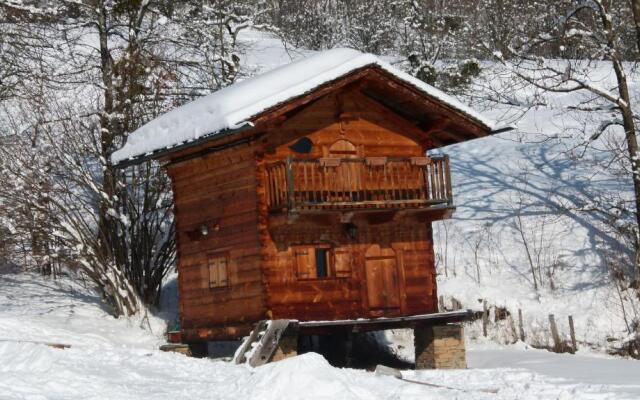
{"type": "Point", "coordinates": [218, 190]}
{"type": "Point", "coordinates": [227, 192]}
{"type": "Point", "coordinates": [406, 246]}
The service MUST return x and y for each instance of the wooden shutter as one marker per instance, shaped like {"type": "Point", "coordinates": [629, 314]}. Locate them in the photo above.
{"type": "Point", "coordinates": [342, 262]}
{"type": "Point", "coordinates": [223, 271]}
{"type": "Point", "coordinates": [305, 260]}
{"type": "Point", "coordinates": [218, 271]}
{"type": "Point", "coordinates": [213, 272]}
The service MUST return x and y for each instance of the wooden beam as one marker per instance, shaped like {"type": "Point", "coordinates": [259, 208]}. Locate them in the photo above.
{"type": "Point", "coordinates": [388, 115]}
{"type": "Point", "coordinates": [394, 84]}
{"type": "Point", "coordinates": [455, 136]}
{"type": "Point", "coordinates": [373, 324]}
{"type": "Point", "coordinates": [438, 125]}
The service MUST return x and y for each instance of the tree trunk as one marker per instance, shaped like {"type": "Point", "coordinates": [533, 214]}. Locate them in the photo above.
{"type": "Point", "coordinates": [635, 7]}
{"type": "Point", "coordinates": [627, 116]}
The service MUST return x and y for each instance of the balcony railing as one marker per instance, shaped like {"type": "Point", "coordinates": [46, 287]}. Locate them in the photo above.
{"type": "Point", "coordinates": [358, 183]}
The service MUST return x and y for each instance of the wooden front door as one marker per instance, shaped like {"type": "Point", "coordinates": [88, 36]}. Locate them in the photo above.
{"type": "Point", "coordinates": [382, 278]}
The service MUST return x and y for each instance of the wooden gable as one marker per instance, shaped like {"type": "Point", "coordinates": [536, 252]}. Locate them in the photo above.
{"type": "Point", "coordinates": [389, 102]}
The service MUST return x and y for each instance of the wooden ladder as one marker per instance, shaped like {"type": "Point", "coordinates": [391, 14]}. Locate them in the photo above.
{"type": "Point", "coordinates": [260, 346]}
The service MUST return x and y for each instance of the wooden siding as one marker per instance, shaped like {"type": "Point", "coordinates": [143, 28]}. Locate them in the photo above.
{"type": "Point", "coordinates": [219, 191]}
{"type": "Point", "coordinates": [411, 250]}
{"type": "Point", "coordinates": [347, 183]}
{"type": "Point", "coordinates": [382, 266]}
{"type": "Point", "coordinates": [353, 122]}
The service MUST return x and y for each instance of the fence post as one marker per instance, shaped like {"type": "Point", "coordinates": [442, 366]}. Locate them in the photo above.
{"type": "Point", "coordinates": [456, 304]}
{"type": "Point", "coordinates": [572, 330]}
{"type": "Point", "coordinates": [485, 318]}
{"type": "Point", "coordinates": [557, 344]}
{"type": "Point", "coordinates": [512, 326]}
{"type": "Point", "coordinates": [520, 325]}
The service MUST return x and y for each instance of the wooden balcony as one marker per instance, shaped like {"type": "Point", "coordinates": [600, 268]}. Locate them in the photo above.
{"type": "Point", "coordinates": [352, 184]}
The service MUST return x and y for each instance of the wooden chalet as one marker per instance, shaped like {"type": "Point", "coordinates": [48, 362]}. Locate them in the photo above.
{"type": "Point", "coordinates": [306, 194]}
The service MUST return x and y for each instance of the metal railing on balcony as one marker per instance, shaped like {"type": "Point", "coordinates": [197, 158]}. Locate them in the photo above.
{"type": "Point", "coordinates": [358, 183]}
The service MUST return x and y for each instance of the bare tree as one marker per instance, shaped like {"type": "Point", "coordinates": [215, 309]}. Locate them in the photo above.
{"type": "Point", "coordinates": [596, 26]}
{"type": "Point", "coordinates": [97, 70]}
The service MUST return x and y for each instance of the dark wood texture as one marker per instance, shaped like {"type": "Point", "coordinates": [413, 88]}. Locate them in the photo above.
{"type": "Point", "coordinates": [218, 190]}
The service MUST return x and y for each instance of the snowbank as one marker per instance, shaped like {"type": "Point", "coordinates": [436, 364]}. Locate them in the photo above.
{"type": "Point", "coordinates": [114, 359]}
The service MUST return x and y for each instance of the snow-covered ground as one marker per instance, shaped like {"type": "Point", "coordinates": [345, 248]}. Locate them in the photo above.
{"type": "Point", "coordinates": [117, 359]}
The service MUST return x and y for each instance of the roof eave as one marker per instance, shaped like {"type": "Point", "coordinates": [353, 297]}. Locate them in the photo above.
{"type": "Point", "coordinates": [168, 150]}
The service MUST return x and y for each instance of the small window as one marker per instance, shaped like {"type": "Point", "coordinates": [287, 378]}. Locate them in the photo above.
{"type": "Point", "coordinates": [302, 146]}
{"type": "Point", "coordinates": [218, 271]}
{"type": "Point", "coordinates": [343, 149]}
{"type": "Point", "coordinates": [321, 262]}
{"type": "Point", "coordinates": [322, 267]}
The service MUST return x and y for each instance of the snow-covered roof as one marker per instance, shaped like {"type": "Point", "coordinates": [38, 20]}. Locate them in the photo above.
{"type": "Point", "coordinates": [235, 105]}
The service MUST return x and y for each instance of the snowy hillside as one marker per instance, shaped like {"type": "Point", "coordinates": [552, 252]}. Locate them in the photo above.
{"type": "Point", "coordinates": [541, 172]}
{"type": "Point", "coordinates": [538, 185]}
{"type": "Point", "coordinates": [116, 359]}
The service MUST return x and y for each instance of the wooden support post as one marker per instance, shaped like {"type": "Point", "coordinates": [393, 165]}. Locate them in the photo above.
{"type": "Point", "coordinates": [348, 350]}
{"type": "Point", "coordinates": [512, 326]}
{"type": "Point", "coordinates": [290, 189]}
{"type": "Point", "coordinates": [287, 347]}
{"type": "Point", "coordinates": [572, 330]}
{"type": "Point", "coordinates": [557, 344]}
{"type": "Point", "coordinates": [520, 325]}
{"type": "Point", "coordinates": [485, 318]}
{"type": "Point", "coordinates": [447, 172]}
{"type": "Point", "coordinates": [441, 304]}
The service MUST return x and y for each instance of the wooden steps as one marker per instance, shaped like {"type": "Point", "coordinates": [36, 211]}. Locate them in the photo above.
{"type": "Point", "coordinates": [270, 340]}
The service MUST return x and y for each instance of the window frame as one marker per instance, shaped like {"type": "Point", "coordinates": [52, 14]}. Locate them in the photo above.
{"type": "Point", "coordinates": [310, 251]}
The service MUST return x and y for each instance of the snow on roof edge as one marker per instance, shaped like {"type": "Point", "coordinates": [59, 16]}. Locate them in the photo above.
{"type": "Point", "coordinates": [233, 106]}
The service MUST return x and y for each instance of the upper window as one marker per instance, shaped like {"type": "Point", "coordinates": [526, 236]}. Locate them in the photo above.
{"type": "Point", "coordinates": [321, 261]}
{"type": "Point", "coordinates": [302, 145]}
{"type": "Point", "coordinates": [343, 149]}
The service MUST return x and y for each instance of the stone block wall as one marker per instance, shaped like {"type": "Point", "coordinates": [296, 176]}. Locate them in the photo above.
{"type": "Point", "coordinates": [287, 347]}
{"type": "Point", "coordinates": [440, 347]}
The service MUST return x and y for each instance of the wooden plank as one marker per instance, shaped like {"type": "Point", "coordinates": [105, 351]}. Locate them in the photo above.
{"type": "Point", "coordinates": [435, 318]}
{"type": "Point", "coordinates": [572, 331]}
{"type": "Point", "coordinates": [241, 353]}
{"type": "Point", "coordinates": [520, 325]}
{"type": "Point", "coordinates": [485, 318]}
{"type": "Point", "coordinates": [558, 344]}
{"type": "Point", "coordinates": [269, 342]}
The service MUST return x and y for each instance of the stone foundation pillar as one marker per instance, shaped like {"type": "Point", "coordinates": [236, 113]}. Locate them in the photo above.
{"type": "Point", "coordinates": [287, 347]}
{"type": "Point", "coordinates": [440, 347]}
